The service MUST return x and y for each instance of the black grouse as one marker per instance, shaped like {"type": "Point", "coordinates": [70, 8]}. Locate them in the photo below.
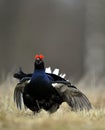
{"type": "Point", "coordinates": [41, 90]}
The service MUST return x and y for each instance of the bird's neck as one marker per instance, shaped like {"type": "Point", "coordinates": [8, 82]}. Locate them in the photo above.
{"type": "Point", "coordinates": [39, 67]}
{"type": "Point", "coordinates": [39, 70]}
{"type": "Point", "coordinates": [38, 77]}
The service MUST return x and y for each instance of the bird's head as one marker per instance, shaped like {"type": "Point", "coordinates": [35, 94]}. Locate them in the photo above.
{"type": "Point", "coordinates": [39, 64]}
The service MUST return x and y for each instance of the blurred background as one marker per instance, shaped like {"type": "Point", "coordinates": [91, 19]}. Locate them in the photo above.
{"type": "Point", "coordinates": [70, 34]}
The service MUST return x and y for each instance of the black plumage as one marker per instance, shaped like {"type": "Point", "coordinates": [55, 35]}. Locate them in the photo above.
{"type": "Point", "coordinates": [41, 90]}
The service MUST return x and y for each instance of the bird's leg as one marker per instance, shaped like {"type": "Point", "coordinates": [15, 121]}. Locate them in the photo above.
{"type": "Point", "coordinates": [37, 104]}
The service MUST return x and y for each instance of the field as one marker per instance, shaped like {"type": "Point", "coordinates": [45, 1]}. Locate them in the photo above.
{"type": "Point", "coordinates": [63, 119]}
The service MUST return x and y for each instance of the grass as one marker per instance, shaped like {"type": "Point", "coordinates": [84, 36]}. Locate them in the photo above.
{"type": "Point", "coordinates": [63, 119]}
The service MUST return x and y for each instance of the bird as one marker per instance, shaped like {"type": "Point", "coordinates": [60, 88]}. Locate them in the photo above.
{"type": "Point", "coordinates": [42, 90]}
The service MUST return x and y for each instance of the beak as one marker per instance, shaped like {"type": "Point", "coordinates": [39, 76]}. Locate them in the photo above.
{"type": "Point", "coordinates": [38, 61]}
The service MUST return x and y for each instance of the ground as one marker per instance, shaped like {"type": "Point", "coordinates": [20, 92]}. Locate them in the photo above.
{"type": "Point", "coordinates": [63, 119]}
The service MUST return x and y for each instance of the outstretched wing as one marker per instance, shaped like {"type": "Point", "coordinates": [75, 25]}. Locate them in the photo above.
{"type": "Point", "coordinates": [55, 77]}
{"type": "Point", "coordinates": [74, 97]}
{"type": "Point", "coordinates": [20, 75]}
{"type": "Point", "coordinates": [18, 91]}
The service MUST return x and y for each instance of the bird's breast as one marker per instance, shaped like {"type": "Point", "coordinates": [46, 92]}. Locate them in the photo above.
{"type": "Point", "coordinates": [40, 86]}
{"type": "Point", "coordinates": [40, 79]}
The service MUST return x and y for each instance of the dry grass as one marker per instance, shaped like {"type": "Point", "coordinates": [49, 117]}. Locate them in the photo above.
{"type": "Point", "coordinates": [63, 119]}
